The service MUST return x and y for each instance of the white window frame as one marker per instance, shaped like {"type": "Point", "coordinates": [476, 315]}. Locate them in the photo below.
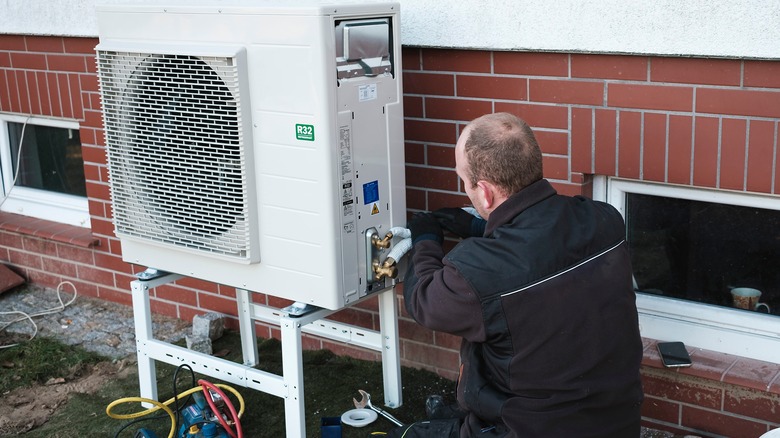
{"type": "Point", "coordinates": [748, 334]}
{"type": "Point", "coordinates": [41, 204]}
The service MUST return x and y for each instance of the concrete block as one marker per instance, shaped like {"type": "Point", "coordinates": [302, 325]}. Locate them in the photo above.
{"type": "Point", "coordinates": [201, 344]}
{"type": "Point", "coordinates": [210, 325]}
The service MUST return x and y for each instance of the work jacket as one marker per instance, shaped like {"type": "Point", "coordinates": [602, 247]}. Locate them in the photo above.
{"type": "Point", "coordinates": [545, 305]}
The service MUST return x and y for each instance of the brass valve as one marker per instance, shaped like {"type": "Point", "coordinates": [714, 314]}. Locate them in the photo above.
{"type": "Point", "coordinates": [386, 269]}
{"type": "Point", "coordinates": [381, 243]}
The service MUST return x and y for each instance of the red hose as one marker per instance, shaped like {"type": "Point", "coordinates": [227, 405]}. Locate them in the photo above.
{"type": "Point", "coordinates": [209, 386]}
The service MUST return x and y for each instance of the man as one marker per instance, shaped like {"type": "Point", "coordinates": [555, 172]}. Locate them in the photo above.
{"type": "Point", "coordinates": [543, 297]}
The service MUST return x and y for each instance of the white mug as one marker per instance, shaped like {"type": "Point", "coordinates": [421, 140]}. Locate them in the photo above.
{"type": "Point", "coordinates": [747, 298]}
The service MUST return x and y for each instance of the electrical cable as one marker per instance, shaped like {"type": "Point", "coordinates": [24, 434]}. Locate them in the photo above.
{"type": "Point", "coordinates": [29, 317]}
{"type": "Point", "coordinates": [207, 386]}
{"type": "Point", "coordinates": [164, 406]}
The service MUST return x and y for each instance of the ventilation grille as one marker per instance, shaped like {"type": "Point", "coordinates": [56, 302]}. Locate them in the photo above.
{"type": "Point", "coordinates": [176, 150]}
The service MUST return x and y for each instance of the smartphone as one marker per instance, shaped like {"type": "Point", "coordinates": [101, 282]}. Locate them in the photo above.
{"type": "Point", "coordinates": [674, 354]}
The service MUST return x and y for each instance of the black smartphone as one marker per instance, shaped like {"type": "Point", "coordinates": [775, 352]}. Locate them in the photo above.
{"type": "Point", "coordinates": [674, 354]}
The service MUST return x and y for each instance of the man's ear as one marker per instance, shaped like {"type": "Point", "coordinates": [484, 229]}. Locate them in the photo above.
{"type": "Point", "coordinates": [488, 194]}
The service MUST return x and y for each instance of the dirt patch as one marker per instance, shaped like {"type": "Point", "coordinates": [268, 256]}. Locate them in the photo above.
{"type": "Point", "coordinates": [24, 409]}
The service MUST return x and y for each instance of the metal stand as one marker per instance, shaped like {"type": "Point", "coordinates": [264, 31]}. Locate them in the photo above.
{"type": "Point", "coordinates": [289, 385]}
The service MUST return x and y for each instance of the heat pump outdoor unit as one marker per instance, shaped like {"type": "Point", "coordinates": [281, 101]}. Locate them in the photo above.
{"type": "Point", "coordinates": [256, 144]}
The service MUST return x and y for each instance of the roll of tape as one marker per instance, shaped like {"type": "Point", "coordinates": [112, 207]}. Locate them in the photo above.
{"type": "Point", "coordinates": [358, 417]}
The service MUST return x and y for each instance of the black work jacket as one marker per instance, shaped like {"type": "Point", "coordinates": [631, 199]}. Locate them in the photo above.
{"type": "Point", "coordinates": [545, 305]}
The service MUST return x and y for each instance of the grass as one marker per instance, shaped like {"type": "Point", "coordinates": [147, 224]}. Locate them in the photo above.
{"type": "Point", "coordinates": [330, 384]}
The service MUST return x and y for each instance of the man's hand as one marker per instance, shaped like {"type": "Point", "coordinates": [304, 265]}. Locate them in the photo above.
{"type": "Point", "coordinates": [460, 222]}
{"type": "Point", "coordinates": [424, 226]}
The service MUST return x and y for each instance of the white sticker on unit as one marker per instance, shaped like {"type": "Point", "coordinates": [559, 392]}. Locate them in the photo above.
{"type": "Point", "coordinates": [367, 92]}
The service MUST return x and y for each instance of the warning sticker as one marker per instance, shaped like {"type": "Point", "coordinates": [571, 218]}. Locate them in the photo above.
{"type": "Point", "coordinates": [345, 157]}
{"type": "Point", "coordinates": [370, 192]}
{"type": "Point", "coordinates": [374, 210]}
{"type": "Point", "coordinates": [367, 92]}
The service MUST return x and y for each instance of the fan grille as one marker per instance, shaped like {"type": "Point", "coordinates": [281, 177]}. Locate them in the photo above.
{"type": "Point", "coordinates": [175, 150]}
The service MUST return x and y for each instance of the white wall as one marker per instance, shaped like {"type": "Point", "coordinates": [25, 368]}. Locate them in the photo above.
{"type": "Point", "coordinates": [719, 28]}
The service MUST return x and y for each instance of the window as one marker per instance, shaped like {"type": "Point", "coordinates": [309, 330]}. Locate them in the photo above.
{"type": "Point", "coordinates": [691, 248]}
{"type": "Point", "coordinates": [47, 155]}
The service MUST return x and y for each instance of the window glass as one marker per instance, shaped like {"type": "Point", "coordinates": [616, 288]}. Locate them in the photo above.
{"type": "Point", "coordinates": [705, 252]}
{"type": "Point", "coordinates": [51, 158]}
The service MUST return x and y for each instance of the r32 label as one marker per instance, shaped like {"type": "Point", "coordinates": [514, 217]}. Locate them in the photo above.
{"type": "Point", "coordinates": [304, 132]}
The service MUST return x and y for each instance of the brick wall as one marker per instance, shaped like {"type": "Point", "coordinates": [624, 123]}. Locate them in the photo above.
{"type": "Point", "coordinates": [701, 122]}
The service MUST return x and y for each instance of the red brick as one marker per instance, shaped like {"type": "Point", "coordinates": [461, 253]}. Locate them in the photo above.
{"type": "Point", "coordinates": [121, 296]}
{"type": "Point", "coordinates": [80, 45]}
{"type": "Point", "coordinates": [75, 93]}
{"type": "Point", "coordinates": [628, 68]}
{"type": "Point", "coordinates": [629, 143]}
{"type": "Point", "coordinates": [738, 102]}
{"type": "Point", "coordinates": [605, 142]}
{"type": "Point", "coordinates": [413, 106]}
{"type": "Point", "coordinates": [705, 152]}
{"type": "Point", "coordinates": [75, 254]}
{"type": "Point", "coordinates": [654, 148]}
{"type": "Point", "coordinates": [28, 61]}
{"type": "Point", "coordinates": [59, 267]}
{"type": "Point", "coordinates": [673, 386]}
{"type": "Point", "coordinates": [24, 93]}
{"type": "Point", "coordinates": [39, 246]}
{"type": "Point", "coordinates": [456, 60]}
{"type": "Point", "coordinates": [761, 145]}
{"type": "Point", "coordinates": [414, 153]}
{"type": "Point", "coordinates": [661, 409]}
{"type": "Point", "coordinates": [10, 240]}
{"type": "Point", "coordinates": [538, 116]}
{"type": "Point", "coordinates": [5, 98]}
{"type": "Point", "coordinates": [355, 317]}
{"type": "Point", "coordinates": [217, 303]}
{"type": "Point", "coordinates": [582, 140]}
{"type": "Point", "coordinates": [531, 64]}
{"type": "Point", "coordinates": [552, 142]}
{"type": "Point", "coordinates": [705, 71]}
{"type": "Point", "coordinates": [195, 283]}
{"type": "Point", "coordinates": [67, 63]}
{"type": "Point", "coordinates": [765, 74]}
{"type": "Point", "coordinates": [752, 373]}
{"type": "Point", "coordinates": [440, 156]}
{"type": "Point", "coordinates": [430, 356]}
{"type": "Point", "coordinates": [162, 308]}
{"type": "Point", "coordinates": [680, 138]}
{"type": "Point", "coordinates": [177, 295]}
{"type": "Point", "coordinates": [492, 87]}
{"type": "Point", "coordinates": [43, 93]}
{"type": "Point", "coordinates": [428, 131]}
{"type": "Point", "coordinates": [567, 91]}
{"type": "Point", "coordinates": [89, 83]}
{"type": "Point", "coordinates": [437, 200]}
{"type": "Point", "coordinates": [45, 44]}
{"type": "Point", "coordinates": [446, 340]}
{"type": "Point", "coordinates": [436, 84]}
{"type": "Point", "coordinates": [556, 167]}
{"type": "Point", "coordinates": [5, 60]}
{"type": "Point", "coordinates": [733, 154]}
{"type": "Point", "coordinates": [456, 109]}
{"type": "Point", "coordinates": [12, 42]}
{"type": "Point", "coordinates": [32, 91]}
{"type": "Point", "coordinates": [98, 191]}
{"type": "Point", "coordinates": [415, 199]}
{"type": "Point", "coordinates": [94, 275]}
{"type": "Point", "coordinates": [112, 263]}
{"type": "Point", "coordinates": [66, 96]}
{"type": "Point", "coordinates": [719, 423]}
{"type": "Point", "coordinates": [651, 97]}
{"type": "Point", "coordinates": [431, 178]}
{"type": "Point", "coordinates": [102, 227]}
{"type": "Point", "coordinates": [754, 404]}
{"type": "Point", "coordinates": [411, 58]}
{"type": "Point", "coordinates": [25, 259]}
{"type": "Point", "coordinates": [14, 104]}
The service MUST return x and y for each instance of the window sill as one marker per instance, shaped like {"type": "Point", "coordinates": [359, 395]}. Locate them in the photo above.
{"type": "Point", "coordinates": [721, 367]}
{"type": "Point", "coordinates": [44, 229]}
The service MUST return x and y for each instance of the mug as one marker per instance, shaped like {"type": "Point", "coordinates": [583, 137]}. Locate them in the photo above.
{"type": "Point", "coordinates": [747, 298]}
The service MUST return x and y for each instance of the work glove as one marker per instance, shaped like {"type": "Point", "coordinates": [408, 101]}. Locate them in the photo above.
{"type": "Point", "coordinates": [424, 226]}
{"type": "Point", "coordinates": [460, 222]}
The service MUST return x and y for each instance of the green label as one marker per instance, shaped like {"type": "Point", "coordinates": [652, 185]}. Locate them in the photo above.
{"type": "Point", "coordinates": [304, 132]}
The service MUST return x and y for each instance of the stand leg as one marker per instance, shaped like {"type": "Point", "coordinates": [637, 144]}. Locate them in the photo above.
{"type": "Point", "coordinates": [142, 316]}
{"type": "Point", "coordinates": [292, 372]}
{"type": "Point", "coordinates": [247, 328]}
{"type": "Point", "coordinates": [391, 358]}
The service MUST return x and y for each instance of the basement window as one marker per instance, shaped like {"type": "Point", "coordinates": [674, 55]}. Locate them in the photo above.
{"type": "Point", "coordinates": [692, 251]}
{"type": "Point", "coordinates": [43, 170]}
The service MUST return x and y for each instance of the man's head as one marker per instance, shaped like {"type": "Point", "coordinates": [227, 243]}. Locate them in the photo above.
{"type": "Point", "coordinates": [496, 156]}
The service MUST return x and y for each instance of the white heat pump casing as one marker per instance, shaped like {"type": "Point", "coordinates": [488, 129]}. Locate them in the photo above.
{"type": "Point", "coordinates": [268, 181]}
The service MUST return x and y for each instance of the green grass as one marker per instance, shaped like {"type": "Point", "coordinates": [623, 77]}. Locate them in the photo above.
{"type": "Point", "coordinates": [330, 384]}
{"type": "Point", "coordinates": [38, 360]}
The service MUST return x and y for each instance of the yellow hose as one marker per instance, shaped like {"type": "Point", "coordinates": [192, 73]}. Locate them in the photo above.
{"type": "Point", "coordinates": [164, 405]}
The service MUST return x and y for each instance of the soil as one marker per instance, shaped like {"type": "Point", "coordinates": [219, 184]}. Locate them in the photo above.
{"type": "Point", "coordinates": [25, 409]}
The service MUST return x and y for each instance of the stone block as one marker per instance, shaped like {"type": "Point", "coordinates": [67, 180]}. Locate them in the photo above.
{"type": "Point", "coordinates": [201, 344]}
{"type": "Point", "coordinates": [210, 325]}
